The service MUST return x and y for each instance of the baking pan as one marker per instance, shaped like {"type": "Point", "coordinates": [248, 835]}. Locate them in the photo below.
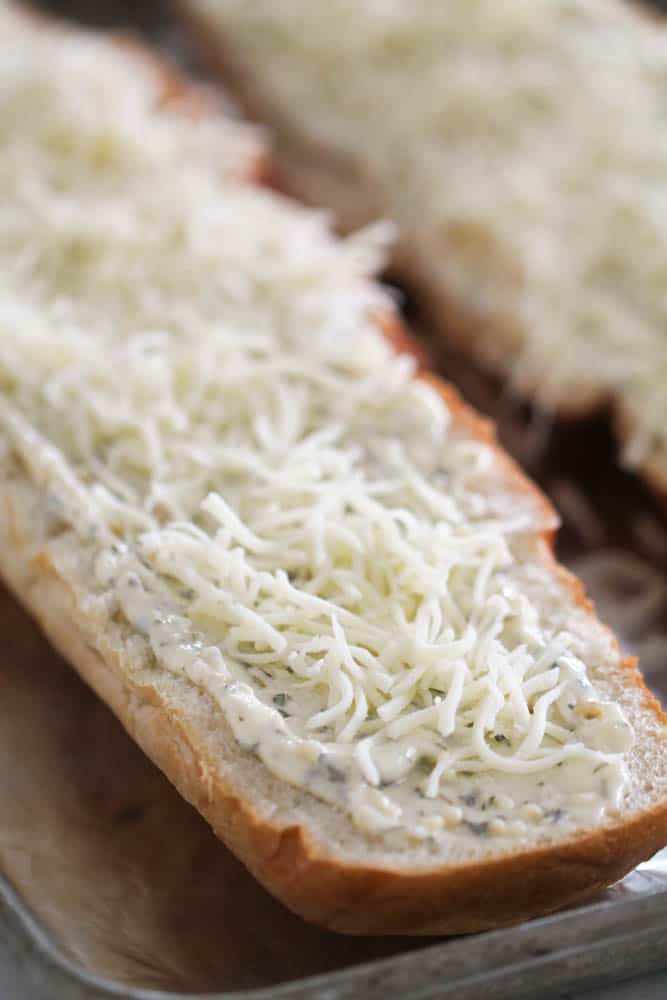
{"type": "Point", "coordinates": [593, 945]}
{"type": "Point", "coordinates": [112, 886]}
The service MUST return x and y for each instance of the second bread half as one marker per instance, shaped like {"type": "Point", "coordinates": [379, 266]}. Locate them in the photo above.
{"type": "Point", "coordinates": [517, 148]}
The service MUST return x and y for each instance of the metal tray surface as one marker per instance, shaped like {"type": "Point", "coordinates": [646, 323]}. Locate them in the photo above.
{"type": "Point", "coordinates": [111, 886]}
{"type": "Point", "coordinates": [587, 947]}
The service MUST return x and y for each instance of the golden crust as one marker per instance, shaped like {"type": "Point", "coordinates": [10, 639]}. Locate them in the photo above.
{"type": "Point", "coordinates": [314, 882]}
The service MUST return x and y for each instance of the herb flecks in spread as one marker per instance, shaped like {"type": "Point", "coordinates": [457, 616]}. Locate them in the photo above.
{"type": "Point", "coordinates": [287, 517]}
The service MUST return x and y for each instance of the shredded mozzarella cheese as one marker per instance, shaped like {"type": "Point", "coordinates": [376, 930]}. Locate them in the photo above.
{"type": "Point", "coordinates": [192, 372]}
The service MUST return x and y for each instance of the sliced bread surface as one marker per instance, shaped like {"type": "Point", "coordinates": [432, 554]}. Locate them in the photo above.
{"type": "Point", "coordinates": [307, 580]}
{"type": "Point", "coordinates": [513, 144]}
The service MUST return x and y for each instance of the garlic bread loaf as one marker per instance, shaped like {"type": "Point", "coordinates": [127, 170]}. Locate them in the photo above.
{"type": "Point", "coordinates": [301, 572]}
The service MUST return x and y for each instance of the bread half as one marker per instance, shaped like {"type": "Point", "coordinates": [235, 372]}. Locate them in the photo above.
{"type": "Point", "coordinates": [300, 571]}
{"type": "Point", "coordinates": [514, 147]}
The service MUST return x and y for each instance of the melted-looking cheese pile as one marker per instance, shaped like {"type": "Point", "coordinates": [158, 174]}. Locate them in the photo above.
{"type": "Point", "coordinates": [192, 374]}
{"type": "Point", "coordinates": [520, 143]}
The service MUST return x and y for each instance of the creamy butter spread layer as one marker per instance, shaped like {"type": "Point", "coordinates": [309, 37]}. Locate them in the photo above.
{"type": "Point", "coordinates": [518, 141]}
{"type": "Point", "coordinates": [192, 375]}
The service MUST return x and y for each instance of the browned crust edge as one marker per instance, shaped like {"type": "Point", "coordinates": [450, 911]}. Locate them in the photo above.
{"type": "Point", "coordinates": [488, 340]}
{"type": "Point", "coordinates": [324, 889]}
